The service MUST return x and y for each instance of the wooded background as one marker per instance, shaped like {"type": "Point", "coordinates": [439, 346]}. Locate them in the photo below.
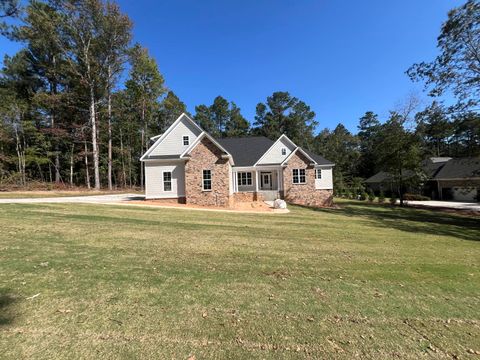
{"type": "Point", "coordinates": [80, 101]}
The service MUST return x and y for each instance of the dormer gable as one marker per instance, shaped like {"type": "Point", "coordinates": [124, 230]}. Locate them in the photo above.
{"type": "Point", "coordinates": [278, 152]}
{"type": "Point", "coordinates": [173, 142]}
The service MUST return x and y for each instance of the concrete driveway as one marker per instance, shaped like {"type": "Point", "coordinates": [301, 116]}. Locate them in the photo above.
{"type": "Point", "coordinates": [90, 199]}
{"type": "Point", "coordinates": [447, 205]}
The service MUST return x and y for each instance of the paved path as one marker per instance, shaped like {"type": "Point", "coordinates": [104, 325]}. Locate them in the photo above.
{"type": "Point", "coordinates": [448, 204]}
{"type": "Point", "coordinates": [95, 199]}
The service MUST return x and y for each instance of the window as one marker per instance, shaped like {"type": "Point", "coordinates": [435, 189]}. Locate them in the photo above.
{"type": "Point", "coordinates": [318, 174]}
{"type": "Point", "coordinates": [167, 181]}
{"type": "Point", "coordinates": [298, 176]}
{"type": "Point", "coordinates": [186, 141]}
{"type": "Point", "coordinates": [244, 178]}
{"type": "Point", "coordinates": [284, 151]}
{"type": "Point", "coordinates": [207, 180]}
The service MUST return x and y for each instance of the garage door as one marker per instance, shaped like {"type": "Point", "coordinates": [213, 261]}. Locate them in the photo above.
{"type": "Point", "coordinates": [464, 193]}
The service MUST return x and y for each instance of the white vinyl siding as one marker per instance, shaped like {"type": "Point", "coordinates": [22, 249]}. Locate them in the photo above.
{"type": "Point", "coordinates": [173, 143]}
{"type": "Point", "coordinates": [274, 155]}
{"type": "Point", "coordinates": [326, 181]}
{"type": "Point", "coordinates": [154, 180]}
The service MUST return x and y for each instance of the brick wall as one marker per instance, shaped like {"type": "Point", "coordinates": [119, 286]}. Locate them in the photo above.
{"type": "Point", "coordinates": [304, 194]}
{"type": "Point", "coordinates": [206, 156]}
{"type": "Point", "coordinates": [245, 196]}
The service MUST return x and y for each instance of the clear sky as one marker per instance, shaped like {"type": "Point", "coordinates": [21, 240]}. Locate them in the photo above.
{"type": "Point", "coordinates": [340, 57]}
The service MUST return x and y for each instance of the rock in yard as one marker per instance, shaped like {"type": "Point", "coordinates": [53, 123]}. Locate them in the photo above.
{"type": "Point", "coordinates": [279, 204]}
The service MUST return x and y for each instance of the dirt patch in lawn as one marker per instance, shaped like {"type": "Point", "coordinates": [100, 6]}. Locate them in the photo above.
{"type": "Point", "coordinates": [254, 206]}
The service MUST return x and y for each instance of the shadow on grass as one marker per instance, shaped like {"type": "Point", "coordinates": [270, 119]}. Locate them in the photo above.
{"type": "Point", "coordinates": [412, 220]}
{"type": "Point", "coordinates": [7, 299]}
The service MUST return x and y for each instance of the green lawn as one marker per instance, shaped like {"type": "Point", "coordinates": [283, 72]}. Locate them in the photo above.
{"type": "Point", "coordinates": [56, 193]}
{"type": "Point", "coordinates": [133, 282]}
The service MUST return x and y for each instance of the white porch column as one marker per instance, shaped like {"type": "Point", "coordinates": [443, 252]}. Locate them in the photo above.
{"type": "Point", "coordinates": [256, 181]}
{"type": "Point", "coordinates": [278, 180]}
{"type": "Point", "coordinates": [235, 186]}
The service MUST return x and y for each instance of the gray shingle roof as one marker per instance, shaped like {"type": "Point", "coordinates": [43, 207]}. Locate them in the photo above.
{"type": "Point", "coordinates": [440, 169]}
{"type": "Point", "coordinates": [460, 168]}
{"type": "Point", "coordinates": [246, 150]}
{"type": "Point", "coordinates": [319, 159]}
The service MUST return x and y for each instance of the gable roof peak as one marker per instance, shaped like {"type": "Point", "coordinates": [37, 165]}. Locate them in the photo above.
{"type": "Point", "coordinates": [168, 131]}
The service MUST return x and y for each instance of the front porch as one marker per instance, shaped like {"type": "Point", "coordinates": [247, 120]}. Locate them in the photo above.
{"type": "Point", "coordinates": [258, 184]}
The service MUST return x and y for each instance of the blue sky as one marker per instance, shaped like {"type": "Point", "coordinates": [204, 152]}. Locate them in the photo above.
{"type": "Point", "coordinates": [340, 57]}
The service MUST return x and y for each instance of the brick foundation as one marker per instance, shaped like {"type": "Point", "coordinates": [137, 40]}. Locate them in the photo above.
{"type": "Point", "coordinates": [180, 200]}
{"type": "Point", "coordinates": [207, 156]}
{"type": "Point", "coordinates": [245, 196]}
{"type": "Point", "coordinates": [304, 194]}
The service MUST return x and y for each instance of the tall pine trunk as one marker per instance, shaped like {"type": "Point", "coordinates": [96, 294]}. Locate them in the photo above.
{"type": "Point", "coordinates": [53, 92]}
{"type": "Point", "coordinates": [109, 109]}
{"type": "Point", "coordinates": [57, 154]}
{"type": "Point", "coordinates": [124, 174]}
{"type": "Point", "coordinates": [93, 120]}
{"type": "Point", "coordinates": [144, 130]}
{"type": "Point", "coordinates": [71, 165]}
{"type": "Point", "coordinates": [87, 172]}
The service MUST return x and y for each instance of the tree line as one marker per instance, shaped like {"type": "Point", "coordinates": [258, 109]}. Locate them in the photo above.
{"type": "Point", "coordinates": [80, 101]}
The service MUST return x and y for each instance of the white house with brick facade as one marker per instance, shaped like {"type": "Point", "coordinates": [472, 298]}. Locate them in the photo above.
{"type": "Point", "coordinates": [188, 164]}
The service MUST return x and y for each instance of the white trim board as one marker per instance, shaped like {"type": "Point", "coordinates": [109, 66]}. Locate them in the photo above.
{"type": "Point", "coordinates": [169, 130]}
{"type": "Point", "coordinates": [273, 145]}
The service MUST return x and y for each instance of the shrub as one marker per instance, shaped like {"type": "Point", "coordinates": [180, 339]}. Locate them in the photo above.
{"type": "Point", "coordinates": [363, 196]}
{"type": "Point", "coordinates": [346, 194]}
{"type": "Point", "coordinates": [371, 195]}
{"type": "Point", "coordinates": [415, 197]}
{"type": "Point", "coordinates": [381, 197]}
{"type": "Point", "coordinates": [393, 200]}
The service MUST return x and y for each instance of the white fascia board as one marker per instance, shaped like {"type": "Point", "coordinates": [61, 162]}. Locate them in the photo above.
{"type": "Point", "coordinates": [192, 146]}
{"type": "Point", "coordinates": [298, 148]}
{"type": "Point", "coordinates": [324, 166]}
{"type": "Point", "coordinates": [289, 157]}
{"type": "Point", "coordinates": [256, 168]}
{"type": "Point", "coordinates": [209, 137]}
{"type": "Point", "coordinates": [163, 160]}
{"type": "Point", "coordinates": [153, 138]}
{"type": "Point", "coordinates": [169, 130]}
{"type": "Point", "coordinates": [307, 156]}
{"type": "Point", "coordinates": [271, 147]}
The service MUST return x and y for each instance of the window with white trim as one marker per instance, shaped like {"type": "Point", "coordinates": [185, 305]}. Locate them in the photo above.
{"type": "Point", "coordinates": [284, 151]}
{"type": "Point", "coordinates": [244, 178]}
{"type": "Point", "coordinates": [298, 176]}
{"type": "Point", "coordinates": [186, 140]}
{"type": "Point", "coordinates": [318, 174]}
{"type": "Point", "coordinates": [207, 180]}
{"type": "Point", "coordinates": [167, 181]}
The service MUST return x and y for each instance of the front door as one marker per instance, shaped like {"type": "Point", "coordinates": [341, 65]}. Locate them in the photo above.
{"type": "Point", "coordinates": [266, 181]}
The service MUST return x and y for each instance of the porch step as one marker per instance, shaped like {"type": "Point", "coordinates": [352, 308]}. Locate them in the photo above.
{"type": "Point", "coordinates": [270, 195]}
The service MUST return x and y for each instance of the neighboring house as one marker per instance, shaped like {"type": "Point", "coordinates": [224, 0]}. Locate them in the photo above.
{"type": "Point", "coordinates": [188, 164]}
{"type": "Point", "coordinates": [447, 179]}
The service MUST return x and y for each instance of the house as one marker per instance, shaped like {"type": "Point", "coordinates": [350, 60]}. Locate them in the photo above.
{"type": "Point", "coordinates": [188, 164]}
{"type": "Point", "coordinates": [447, 179]}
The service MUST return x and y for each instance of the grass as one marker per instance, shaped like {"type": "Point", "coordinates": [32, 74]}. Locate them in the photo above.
{"type": "Point", "coordinates": [363, 281]}
{"type": "Point", "coordinates": [55, 193]}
